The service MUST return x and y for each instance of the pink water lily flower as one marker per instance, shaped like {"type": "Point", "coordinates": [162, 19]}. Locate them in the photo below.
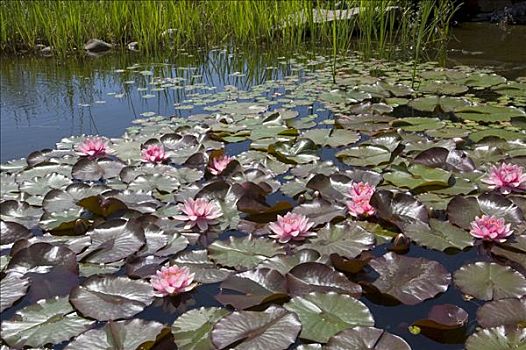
{"type": "Point", "coordinates": [219, 164]}
{"type": "Point", "coordinates": [93, 147]}
{"type": "Point", "coordinates": [506, 178]}
{"type": "Point", "coordinates": [153, 154]}
{"type": "Point", "coordinates": [291, 227]}
{"type": "Point", "coordinates": [199, 212]}
{"type": "Point", "coordinates": [360, 194]}
{"type": "Point", "coordinates": [490, 228]}
{"type": "Point", "coordinates": [172, 280]}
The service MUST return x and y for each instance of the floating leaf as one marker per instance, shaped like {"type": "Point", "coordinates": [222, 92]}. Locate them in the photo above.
{"type": "Point", "coordinates": [254, 287]}
{"type": "Point", "coordinates": [348, 240]}
{"type": "Point", "coordinates": [110, 297]}
{"type": "Point", "coordinates": [487, 281]}
{"type": "Point", "coordinates": [320, 211]}
{"type": "Point", "coordinates": [41, 258]}
{"type": "Point", "coordinates": [504, 312]}
{"type": "Point", "coordinates": [399, 209]}
{"type": "Point", "coordinates": [198, 263]}
{"type": "Point", "coordinates": [13, 288]}
{"type": "Point", "coordinates": [316, 277]}
{"type": "Point", "coordinates": [463, 210]}
{"type": "Point", "coordinates": [410, 280]}
{"type": "Point", "coordinates": [192, 329]}
{"type": "Point", "coordinates": [284, 263]}
{"type": "Point", "coordinates": [439, 235]}
{"type": "Point", "coordinates": [125, 335]}
{"type": "Point", "coordinates": [48, 321]}
{"type": "Point", "coordinates": [322, 315]}
{"type": "Point", "coordinates": [366, 338]}
{"type": "Point", "coordinates": [497, 338]}
{"type": "Point", "coordinates": [272, 329]}
{"type": "Point", "coordinates": [445, 317]}
{"type": "Point", "coordinates": [244, 252]}
{"type": "Point", "coordinates": [114, 240]}
{"type": "Point", "coordinates": [365, 155]}
{"type": "Point", "coordinates": [10, 232]}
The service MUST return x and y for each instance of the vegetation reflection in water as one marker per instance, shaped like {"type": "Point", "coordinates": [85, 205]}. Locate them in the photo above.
{"type": "Point", "coordinates": [341, 216]}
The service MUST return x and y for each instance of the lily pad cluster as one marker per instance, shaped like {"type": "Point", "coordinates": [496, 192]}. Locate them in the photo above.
{"type": "Point", "coordinates": [83, 235]}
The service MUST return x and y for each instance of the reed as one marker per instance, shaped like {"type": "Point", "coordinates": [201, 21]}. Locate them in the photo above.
{"type": "Point", "coordinates": [67, 25]}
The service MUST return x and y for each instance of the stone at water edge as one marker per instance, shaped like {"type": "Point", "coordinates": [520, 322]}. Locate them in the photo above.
{"type": "Point", "coordinates": [97, 45]}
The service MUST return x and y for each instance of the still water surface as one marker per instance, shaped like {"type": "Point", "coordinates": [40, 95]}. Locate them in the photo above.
{"type": "Point", "coordinates": [46, 99]}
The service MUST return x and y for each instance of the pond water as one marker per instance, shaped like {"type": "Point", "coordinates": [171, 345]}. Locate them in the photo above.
{"type": "Point", "coordinates": [45, 99]}
{"type": "Point", "coordinates": [299, 141]}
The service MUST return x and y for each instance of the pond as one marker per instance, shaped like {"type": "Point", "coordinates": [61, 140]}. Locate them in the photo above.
{"type": "Point", "coordinates": [385, 167]}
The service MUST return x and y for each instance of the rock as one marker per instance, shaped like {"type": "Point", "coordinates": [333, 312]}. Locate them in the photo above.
{"type": "Point", "coordinates": [97, 45]}
{"type": "Point", "coordinates": [169, 31]}
{"type": "Point", "coordinates": [46, 51]}
{"type": "Point", "coordinates": [133, 46]}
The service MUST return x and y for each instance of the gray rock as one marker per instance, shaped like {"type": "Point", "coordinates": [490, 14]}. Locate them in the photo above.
{"type": "Point", "coordinates": [170, 32]}
{"type": "Point", "coordinates": [46, 51]}
{"type": "Point", "coordinates": [97, 45]}
{"type": "Point", "coordinates": [133, 46]}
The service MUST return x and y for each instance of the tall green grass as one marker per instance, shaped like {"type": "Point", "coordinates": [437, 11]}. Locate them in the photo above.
{"type": "Point", "coordinates": [67, 25]}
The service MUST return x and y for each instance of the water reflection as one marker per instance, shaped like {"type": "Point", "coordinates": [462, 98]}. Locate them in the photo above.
{"type": "Point", "coordinates": [44, 100]}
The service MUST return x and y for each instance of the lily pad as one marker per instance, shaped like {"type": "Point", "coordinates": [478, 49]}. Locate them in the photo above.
{"type": "Point", "coordinates": [365, 155]}
{"type": "Point", "coordinates": [504, 312]}
{"type": "Point", "coordinates": [348, 240]}
{"type": "Point", "coordinates": [111, 297]}
{"type": "Point", "coordinates": [323, 315]}
{"type": "Point", "coordinates": [366, 338]}
{"type": "Point", "coordinates": [192, 329]}
{"type": "Point", "coordinates": [273, 329]}
{"type": "Point", "coordinates": [253, 287]}
{"type": "Point", "coordinates": [316, 277]}
{"type": "Point", "coordinates": [497, 338]}
{"type": "Point", "coordinates": [439, 235]}
{"type": "Point", "coordinates": [13, 287]}
{"type": "Point", "coordinates": [487, 281]}
{"type": "Point", "coordinates": [125, 335]}
{"type": "Point", "coordinates": [48, 321]}
{"type": "Point", "coordinates": [114, 240]}
{"type": "Point", "coordinates": [410, 280]}
{"type": "Point", "coordinates": [205, 270]}
{"type": "Point", "coordinates": [244, 252]}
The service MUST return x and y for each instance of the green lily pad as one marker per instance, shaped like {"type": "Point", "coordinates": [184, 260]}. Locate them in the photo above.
{"type": "Point", "coordinates": [126, 335]}
{"type": "Point", "coordinates": [246, 252]}
{"type": "Point", "coordinates": [409, 280]}
{"type": "Point", "coordinates": [367, 338]}
{"type": "Point", "coordinates": [48, 321]}
{"type": "Point", "coordinates": [273, 329]}
{"type": "Point", "coordinates": [192, 329]}
{"type": "Point", "coordinates": [439, 235]}
{"type": "Point", "coordinates": [497, 338]}
{"type": "Point", "coordinates": [365, 155]}
{"type": "Point", "coordinates": [505, 312]}
{"type": "Point", "coordinates": [487, 281]}
{"type": "Point", "coordinates": [323, 315]}
{"type": "Point", "coordinates": [348, 240]}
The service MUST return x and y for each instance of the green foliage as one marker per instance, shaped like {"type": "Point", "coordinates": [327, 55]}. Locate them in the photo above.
{"type": "Point", "coordinates": [157, 25]}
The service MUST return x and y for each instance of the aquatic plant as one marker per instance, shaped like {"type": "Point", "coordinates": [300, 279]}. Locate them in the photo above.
{"type": "Point", "coordinates": [219, 164]}
{"type": "Point", "coordinates": [199, 212]}
{"type": "Point", "coordinates": [490, 228]}
{"type": "Point", "coordinates": [172, 280]}
{"type": "Point", "coordinates": [101, 227]}
{"type": "Point", "coordinates": [291, 227]}
{"type": "Point", "coordinates": [161, 25]}
{"type": "Point", "coordinates": [94, 147]}
{"type": "Point", "coordinates": [153, 154]}
{"type": "Point", "coordinates": [506, 178]}
{"type": "Point", "coordinates": [360, 194]}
